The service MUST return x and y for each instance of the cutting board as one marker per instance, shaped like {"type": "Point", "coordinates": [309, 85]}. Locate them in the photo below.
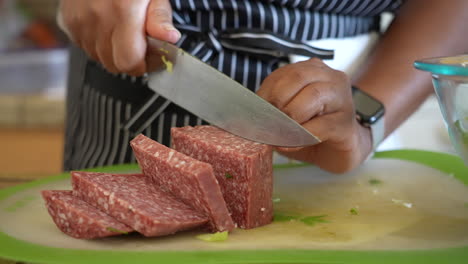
{"type": "Point", "coordinates": [404, 206]}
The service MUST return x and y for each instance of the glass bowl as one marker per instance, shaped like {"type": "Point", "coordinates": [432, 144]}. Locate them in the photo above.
{"type": "Point", "coordinates": [450, 79]}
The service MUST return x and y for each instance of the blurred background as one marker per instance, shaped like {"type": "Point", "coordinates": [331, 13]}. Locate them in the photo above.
{"type": "Point", "coordinates": [33, 74]}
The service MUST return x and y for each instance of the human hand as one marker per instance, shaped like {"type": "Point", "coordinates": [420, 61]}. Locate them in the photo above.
{"type": "Point", "coordinates": [319, 98]}
{"type": "Point", "coordinates": [113, 32]}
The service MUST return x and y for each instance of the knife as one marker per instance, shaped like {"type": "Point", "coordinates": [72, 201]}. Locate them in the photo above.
{"type": "Point", "coordinates": [218, 99]}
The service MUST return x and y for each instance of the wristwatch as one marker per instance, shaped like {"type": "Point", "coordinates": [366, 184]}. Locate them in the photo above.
{"type": "Point", "coordinates": [370, 113]}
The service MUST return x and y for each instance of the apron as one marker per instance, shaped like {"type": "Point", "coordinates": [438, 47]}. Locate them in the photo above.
{"type": "Point", "coordinates": [246, 40]}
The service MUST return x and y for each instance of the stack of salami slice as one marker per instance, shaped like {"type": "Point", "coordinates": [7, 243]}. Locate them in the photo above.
{"type": "Point", "coordinates": [210, 180]}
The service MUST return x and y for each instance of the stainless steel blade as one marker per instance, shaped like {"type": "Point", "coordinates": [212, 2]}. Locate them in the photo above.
{"type": "Point", "coordinates": [221, 101]}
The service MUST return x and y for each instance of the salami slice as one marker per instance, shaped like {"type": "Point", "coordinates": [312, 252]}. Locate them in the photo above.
{"type": "Point", "coordinates": [243, 169]}
{"type": "Point", "coordinates": [190, 180]}
{"type": "Point", "coordinates": [78, 219]}
{"type": "Point", "coordinates": [131, 200]}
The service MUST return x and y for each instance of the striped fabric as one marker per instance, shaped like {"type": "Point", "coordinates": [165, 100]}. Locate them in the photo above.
{"type": "Point", "coordinates": [245, 39]}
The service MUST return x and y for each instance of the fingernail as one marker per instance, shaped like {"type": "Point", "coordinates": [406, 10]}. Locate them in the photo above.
{"type": "Point", "coordinates": [174, 34]}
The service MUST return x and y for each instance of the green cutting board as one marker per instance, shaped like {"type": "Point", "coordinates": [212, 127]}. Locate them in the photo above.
{"type": "Point", "coordinates": [376, 214]}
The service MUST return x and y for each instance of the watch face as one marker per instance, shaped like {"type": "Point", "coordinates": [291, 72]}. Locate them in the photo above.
{"type": "Point", "coordinates": [369, 109]}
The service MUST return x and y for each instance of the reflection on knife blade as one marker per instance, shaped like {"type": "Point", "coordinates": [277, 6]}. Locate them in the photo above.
{"type": "Point", "coordinates": [219, 100]}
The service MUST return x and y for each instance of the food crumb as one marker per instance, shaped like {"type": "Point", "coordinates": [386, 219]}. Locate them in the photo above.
{"type": "Point", "coordinates": [168, 64]}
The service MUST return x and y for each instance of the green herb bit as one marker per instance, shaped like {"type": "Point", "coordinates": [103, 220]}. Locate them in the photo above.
{"type": "Point", "coordinates": [463, 134]}
{"type": "Point", "coordinates": [278, 217]}
{"type": "Point", "coordinates": [276, 200]}
{"type": "Point", "coordinates": [216, 237]}
{"type": "Point", "coordinates": [466, 205]}
{"type": "Point", "coordinates": [403, 203]}
{"type": "Point", "coordinates": [375, 181]}
{"type": "Point", "coordinates": [164, 50]}
{"type": "Point", "coordinates": [227, 175]}
{"type": "Point", "coordinates": [115, 230]}
{"type": "Point", "coordinates": [312, 220]}
{"type": "Point", "coordinates": [168, 64]}
{"type": "Point", "coordinates": [353, 211]}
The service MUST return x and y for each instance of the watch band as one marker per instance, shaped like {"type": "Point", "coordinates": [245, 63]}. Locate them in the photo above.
{"type": "Point", "coordinates": [377, 130]}
{"type": "Point", "coordinates": [370, 113]}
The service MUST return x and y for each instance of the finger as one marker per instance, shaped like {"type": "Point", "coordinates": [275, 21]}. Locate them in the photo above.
{"type": "Point", "coordinates": [138, 70]}
{"type": "Point", "coordinates": [62, 25]}
{"type": "Point", "coordinates": [323, 158]}
{"type": "Point", "coordinates": [129, 41]}
{"type": "Point", "coordinates": [318, 62]}
{"type": "Point", "coordinates": [159, 21]}
{"type": "Point", "coordinates": [315, 99]}
{"type": "Point", "coordinates": [285, 83]}
{"type": "Point", "coordinates": [104, 52]}
{"type": "Point", "coordinates": [88, 42]}
{"type": "Point", "coordinates": [306, 154]}
{"type": "Point", "coordinates": [331, 127]}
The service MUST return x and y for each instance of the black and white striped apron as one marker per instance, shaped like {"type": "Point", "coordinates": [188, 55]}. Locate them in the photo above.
{"type": "Point", "coordinates": [245, 39]}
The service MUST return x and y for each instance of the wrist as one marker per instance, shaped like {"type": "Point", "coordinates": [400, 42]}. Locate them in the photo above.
{"type": "Point", "coordinates": [365, 141]}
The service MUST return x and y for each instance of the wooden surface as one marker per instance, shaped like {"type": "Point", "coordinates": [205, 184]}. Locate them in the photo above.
{"type": "Point", "coordinates": [29, 154]}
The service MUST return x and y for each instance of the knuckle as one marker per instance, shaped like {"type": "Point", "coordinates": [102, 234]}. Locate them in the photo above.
{"type": "Point", "coordinates": [95, 10]}
{"type": "Point", "coordinates": [315, 92]}
{"type": "Point", "coordinates": [297, 76]}
{"type": "Point", "coordinates": [341, 76]}
{"type": "Point", "coordinates": [316, 60]}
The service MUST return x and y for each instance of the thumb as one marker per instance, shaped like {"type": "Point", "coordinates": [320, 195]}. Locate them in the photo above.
{"type": "Point", "coordinates": [159, 21]}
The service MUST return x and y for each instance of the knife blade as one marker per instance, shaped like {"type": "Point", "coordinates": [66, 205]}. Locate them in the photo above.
{"type": "Point", "coordinates": [218, 99]}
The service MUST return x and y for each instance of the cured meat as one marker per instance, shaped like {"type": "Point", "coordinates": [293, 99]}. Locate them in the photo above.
{"type": "Point", "coordinates": [243, 169]}
{"type": "Point", "coordinates": [78, 219]}
{"type": "Point", "coordinates": [190, 180]}
{"type": "Point", "coordinates": [131, 200]}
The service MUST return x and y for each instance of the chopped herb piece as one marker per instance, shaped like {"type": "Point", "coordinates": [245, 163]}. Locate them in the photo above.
{"type": "Point", "coordinates": [312, 220]}
{"type": "Point", "coordinates": [164, 50]}
{"type": "Point", "coordinates": [375, 181]}
{"type": "Point", "coordinates": [353, 211]}
{"type": "Point", "coordinates": [218, 236]}
{"type": "Point", "coordinates": [227, 175]}
{"type": "Point", "coordinates": [308, 220]}
{"type": "Point", "coordinates": [168, 64]}
{"type": "Point", "coordinates": [462, 134]}
{"type": "Point", "coordinates": [466, 205]}
{"type": "Point", "coordinates": [278, 217]}
{"type": "Point", "coordinates": [115, 230]}
{"type": "Point", "coordinates": [276, 200]}
{"type": "Point", "coordinates": [401, 202]}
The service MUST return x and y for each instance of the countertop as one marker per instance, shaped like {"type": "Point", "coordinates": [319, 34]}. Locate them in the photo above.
{"type": "Point", "coordinates": [29, 153]}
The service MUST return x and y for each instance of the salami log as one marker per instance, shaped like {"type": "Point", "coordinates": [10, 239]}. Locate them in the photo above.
{"type": "Point", "coordinates": [190, 180]}
{"type": "Point", "coordinates": [243, 169]}
{"type": "Point", "coordinates": [78, 219]}
{"type": "Point", "coordinates": [131, 200]}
